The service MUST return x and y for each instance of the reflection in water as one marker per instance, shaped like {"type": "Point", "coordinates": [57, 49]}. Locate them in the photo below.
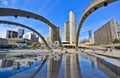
{"type": "Point", "coordinates": [110, 70]}
{"type": "Point", "coordinates": [91, 58]}
{"type": "Point", "coordinates": [54, 66]}
{"type": "Point", "coordinates": [40, 67]}
{"type": "Point", "coordinates": [72, 66]}
{"type": "Point", "coordinates": [2, 55]}
{"type": "Point", "coordinates": [6, 63]}
{"type": "Point", "coordinates": [16, 66]}
{"type": "Point", "coordinates": [57, 65]}
{"type": "Point", "coordinates": [22, 62]}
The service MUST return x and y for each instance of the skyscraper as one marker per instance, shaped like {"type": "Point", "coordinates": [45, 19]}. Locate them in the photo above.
{"type": "Point", "coordinates": [11, 34]}
{"type": "Point", "coordinates": [53, 34]}
{"type": "Point", "coordinates": [90, 34]}
{"type": "Point", "coordinates": [72, 25]}
{"type": "Point", "coordinates": [20, 33]}
{"type": "Point", "coordinates": [66, 31]}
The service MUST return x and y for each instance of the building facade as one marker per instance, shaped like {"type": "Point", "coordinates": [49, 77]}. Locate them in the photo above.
{"type": "Point", "coordinates": [72, 25]}
{"type": "Point", "coordinates": [107, 33]}
{"type": "Point", "coordinates": [90, 34]}
{"type": "Point", "coordinates": [11, 34]}
{"type": "Point", "coordinates": [31, 36]}
{"type": "Point", "coordinates": [19, 41]}
{"type": "Point", "coordinates": [66, 31]}
{"type": "Point", "coordinates": [3, 41]}
{"type": "Point", "coordinates": [53, 34]}
{"type": "Point", "coordinates": [20, 33]}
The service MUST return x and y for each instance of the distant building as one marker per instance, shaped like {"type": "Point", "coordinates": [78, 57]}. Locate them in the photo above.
{"type": "Point", "coordinates": [11, 34]}
{"type": "Point", "coordinates": [31, 36]}
{"type": "Point", "coordinates": [84, 41]}
{"type": "Point", "coordinates": [19, 41]}
{"type": "Point", "coordinates": [40, 40]}
{"type": "Point", "coordinates": [53, 34]}
{"type": "Point", "coordinates": [107, 33]}
{"type": "Point", "coordinates": [72, 25]}
{"type": "Point", "coordinates": [20, 33]}
{"type": "Point", "coordinates": [3, 41]}
{"type": "Point", "coordinates": [66, 31]}
{"type": "Point", "coordinates": [118, 29]}
{"type": "Point", "coordinates": [47, 38]}
{"type": "Point", "coordinates": [90, 34]}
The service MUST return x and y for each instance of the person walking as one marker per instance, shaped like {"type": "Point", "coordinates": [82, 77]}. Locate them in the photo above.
{"type": "Point", "coordinates": [110, 50]}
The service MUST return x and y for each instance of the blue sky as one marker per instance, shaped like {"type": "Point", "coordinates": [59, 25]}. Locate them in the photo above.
{"type": "Point", "coordinates": [57, 11]}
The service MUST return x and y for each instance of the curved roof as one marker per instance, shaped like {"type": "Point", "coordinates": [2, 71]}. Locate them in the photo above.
{"type": "Point", "coordinates": [96, 4]}
{"type": "Point", "coordinates": [21, 25]}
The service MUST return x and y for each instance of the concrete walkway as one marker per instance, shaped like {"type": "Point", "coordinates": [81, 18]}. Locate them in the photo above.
{"type": "Point", "coordinates": [114, 53]}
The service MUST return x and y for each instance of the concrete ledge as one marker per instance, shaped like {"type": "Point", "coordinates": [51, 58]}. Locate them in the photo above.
{"type": "Point", "coordinates": [114, 54]}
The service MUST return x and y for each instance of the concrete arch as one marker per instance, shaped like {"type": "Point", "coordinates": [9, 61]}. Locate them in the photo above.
{"type": "Point", "coordinates": [21, 25]}
{"type": "Point", "coordinates": [96, 4]}
{"type": "Point", "coordinates": [22, 13]}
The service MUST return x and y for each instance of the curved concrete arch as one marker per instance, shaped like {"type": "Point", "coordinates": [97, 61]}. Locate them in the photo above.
{"type": "Point", "coordinates": [22, 13]}
{"type": "Point", "coordinates": [96, 4]}
{"type": "Point", "coordinates": [27, 27]}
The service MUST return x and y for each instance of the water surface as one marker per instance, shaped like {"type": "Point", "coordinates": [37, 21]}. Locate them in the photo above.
{"type": "Point", "coordinates": [56, 65]}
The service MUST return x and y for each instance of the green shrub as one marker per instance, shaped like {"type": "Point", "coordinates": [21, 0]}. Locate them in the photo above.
{"type": "Point", "coordinates": [35, 44]}
{"type": "Point", "coordinates": [116, 41]}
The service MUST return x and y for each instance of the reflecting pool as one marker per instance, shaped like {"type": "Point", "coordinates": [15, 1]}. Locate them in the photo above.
{"type": "Point", "coordinates": [57, 65]}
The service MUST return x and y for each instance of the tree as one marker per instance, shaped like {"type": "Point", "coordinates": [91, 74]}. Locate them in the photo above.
{"type": "Point", "coordinates": [73, 42]}
{"type": "Point", "coordinates": [116, 41]}
{"type": "Point", "coordinates": [12, 45]}
{"type": "Point", "coordinates": [35, 44]}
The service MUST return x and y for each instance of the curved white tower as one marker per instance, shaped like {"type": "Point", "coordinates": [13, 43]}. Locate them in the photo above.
{"type": "Point", "coordinates": [72, 24]}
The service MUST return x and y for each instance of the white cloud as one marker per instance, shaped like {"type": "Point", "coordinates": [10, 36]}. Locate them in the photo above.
{"type": "Point", "coordinates": [29, 2]}
{"type": "Point", "coordinates": [48, 6]}
{"type": "Point", "coordinates": [54, 5]}
{"type": "Point", "coordinates": [4, 2]}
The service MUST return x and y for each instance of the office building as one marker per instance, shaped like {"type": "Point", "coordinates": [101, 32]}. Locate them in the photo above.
{"type": "Point", "coordinates": [66, 31]}
{"type": "Point", "coordinates": [53, 34]}
{"type": "Point", "coordinates": [11, 34]}
{"type": "Point", "coordinates": [72, 25]}
{"type": "Point", "coordinates": [20, 33]}
{"type": "Point", "coordinates": [107, 33]}
{"type": "Point", "coordinates": [31, 36]}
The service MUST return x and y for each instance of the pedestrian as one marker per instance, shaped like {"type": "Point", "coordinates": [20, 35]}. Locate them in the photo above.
{"type": "Point", "coordinates": [110, 50]}
{"type": "Point", "coordinates": [104, 50]}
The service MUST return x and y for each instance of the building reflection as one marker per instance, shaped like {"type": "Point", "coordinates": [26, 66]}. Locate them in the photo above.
{"type": "Point", "coordinates": [93, 61]}
{"type": "Point", "coordinates": [91, 58]}
{"type": "Point", "coordinates": [15, 64]}
{"type": "Point", "coordinates": [72, 66]}
{"type": "Point", "coordinates": [24, 63]}
{"type": "Point", "coordinates": [54, 66]}
{"type": "Point", "coordinates": [6, 63]}
{"type": "Point", "coordinates": [109, 69]}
